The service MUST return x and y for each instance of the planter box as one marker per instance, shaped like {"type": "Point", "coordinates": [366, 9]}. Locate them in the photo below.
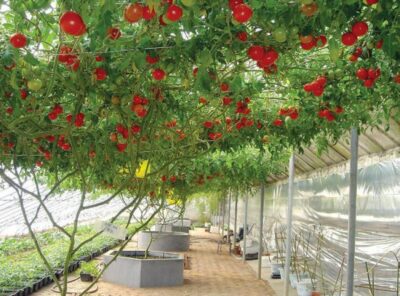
{"type": "Point", "coordinates": [171, 228]}
{"type": "Point", "coordinates": [164, 241]}
{"type": "Point", "coordinates": [185, 229]}
{"type": "Point", "coordinates": [162, 227]}
{"type": "Point", "coordinates": [137, 273]}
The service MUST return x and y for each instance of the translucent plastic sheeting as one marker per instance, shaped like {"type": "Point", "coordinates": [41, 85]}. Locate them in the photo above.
{"type": "Point", "coordinates": [320, 227]}
{"type": "Point", "coordinates": [62, 206]}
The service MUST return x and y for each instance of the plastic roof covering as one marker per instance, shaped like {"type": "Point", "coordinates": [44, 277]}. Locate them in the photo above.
{"type": "Point", "coordinates": [63, 207]}
{"type": "Point", "coordinates": [373, 141]}
{"type": "Point", "coordinates": [320, 214]}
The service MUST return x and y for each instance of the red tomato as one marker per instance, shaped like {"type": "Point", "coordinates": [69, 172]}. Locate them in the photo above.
{"type": "Point", "coordinates": [100, 73]}
{"type": "Point", "coordinates": [148, 14]}
{"type": "Point", "coordinates": [18, 40]}
{"type": "Point", "coordinates": [174, 13]}
{"type": "Point", "coordinates": [242, 13]}
{"type": "Point", "coordinates": [362, 74]}
{"type": "Point", "coordinates": [359, 29]}
{"type": "Point", "coordinates": [234, 3]}
{"type": "Point", "coordinates": [349, 39]}
{"type": "Point", "coordinates": [113, 33]}
{"type": "Point", "coordinates": [158, 74]}
{"type": "Point", "coordinates": [72, 23]}
{"type": "Point", "coordinates": [242, 36]}
{"type": "Point", "coordinates": [133, 12]}
{"type": "Point", "coordinates": [256, 52]}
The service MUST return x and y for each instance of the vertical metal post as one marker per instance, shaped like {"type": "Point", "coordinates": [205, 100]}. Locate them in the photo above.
{"type": "Point", "coordinates": [235, 222]}
{"type": "Point", "coordinates": [219, 217]}
{"type": "Point", "coordinates": [288, 250]}
{"type": "Point", "coordinates": [246, 204]}
{"type": "Point", "coordinates": [223, 216]}
{"type": "Point", "coordinates": [229, 222]}
{"type": "Point", "coordinates": [260, 249]}
{"type": "Point", "coordinates": [352, 212]}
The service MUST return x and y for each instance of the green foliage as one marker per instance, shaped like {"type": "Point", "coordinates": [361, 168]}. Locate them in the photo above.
{"type": "Point", "coordinates": [90, 268]}
{"type": "Point", "coordinates": [20, 264]}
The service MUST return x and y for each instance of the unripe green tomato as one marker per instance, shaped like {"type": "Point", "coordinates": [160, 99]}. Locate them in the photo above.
{"type": "Point", "coordinates": [280, 35]}
{"type": "Point", "coordinates": [188, 3]}
{"type": "Point", "coordinates": [35, 84]}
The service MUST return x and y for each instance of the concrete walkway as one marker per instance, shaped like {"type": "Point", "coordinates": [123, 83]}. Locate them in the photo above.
{"type": "Point", "coordinates": [211, 274]}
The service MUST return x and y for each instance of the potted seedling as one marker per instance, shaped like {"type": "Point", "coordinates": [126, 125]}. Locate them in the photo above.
{"type": "Point", "coordinates": [89, 271]}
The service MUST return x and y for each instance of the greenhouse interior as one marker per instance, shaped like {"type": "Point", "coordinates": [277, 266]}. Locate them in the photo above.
{"type": "Point", "coordinates": [200, 147]}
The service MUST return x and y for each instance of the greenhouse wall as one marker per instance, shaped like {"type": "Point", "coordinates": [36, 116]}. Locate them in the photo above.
{"type": "Point", "coordinates": [320, 223]}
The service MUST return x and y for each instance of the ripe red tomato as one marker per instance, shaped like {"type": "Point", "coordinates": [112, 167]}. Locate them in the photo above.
{"type": "Point", "coordinates": [339, 109]}
{"type": "Point", "coordinates": [362, 74]}
{"type": "Point", "coordinates": [100, 73]}
{"type": "Point", "coordinates": [113, 33]}
{"type": "Point", "coordinates": [242, 13]}
{"type": "Point", "coordinates": [23, 93]}
{"type": "Point", "coordinates": [174, 13]}
{"type": "Point", "coordinates": [242, 36]}
{"type": "Point", "coordinates": [269, 58]}
{"type": "Point", "coordinates": [52, 116]}
{"type": "Point", "coordinates": [224, 87]}
{"type": "Point", "coordinates": [321, 40]}
{"type": "Point", "coordinates": [64, 53]}
{"type": "Point", "coordinates": [208, 124]}
{"type": "Point", "coordinates": [360, 29]}
{"type": "Point", "coordinates": [379, 44]}
{"type": "Point", "coordinates": [234, 3]}
{"type": "Point", "coordinates": [133, 12]}
{"type": "Point", "coordinates": [278, 122]}
{"type": "Point", "coordinates": [161, 21]}
{"type": "Point", "coordinates": [349, 39]}
{"type": "Point", "coordinates": [309, 45]}
{"type": "Point", "coordinates": [148, 14]}
{"type": "Point", "coordinates": [369, 83]}
{"type": "Point", "coordinates": [396, 78]}
{"type": "Point", "coordinates": [226, 101]}
{"type": "Point", "coordinates": [18, 40]}
{"type": "Point", "coordinates": [371, 2]}
{"type": "Point", "coordinates": [256, 52]}
{"type": "Point", "coordinates": [72, 23]}
{"type": "Point", "coordinates": [158, 74]}
{"type": "Point", "coordinates": [151, 59]}
{"type": "Point", "coordinates": [121, 147]}
{"type": "Point", "coordinates": [321, 80]}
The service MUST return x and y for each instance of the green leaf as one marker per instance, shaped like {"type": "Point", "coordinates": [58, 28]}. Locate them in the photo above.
{"type": "Point", "coordinates": [30, 58]}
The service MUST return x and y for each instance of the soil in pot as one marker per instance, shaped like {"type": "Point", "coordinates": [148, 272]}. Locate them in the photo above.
{"type": "Point", "coordinates": [86, 277]}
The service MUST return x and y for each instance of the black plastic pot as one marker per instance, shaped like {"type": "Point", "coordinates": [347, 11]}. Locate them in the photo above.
{"type": "Point", "coordinates": [86, 277]}
{"type": "Point", "coordinates": [27, 291]}
{"type": "Point", "coordinates": [59, 273]}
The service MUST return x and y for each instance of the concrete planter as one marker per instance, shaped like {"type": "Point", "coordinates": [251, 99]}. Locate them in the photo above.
{"type": "Point", "coordinates": [134, 272]}
{"type": "Point", "coordinates": [164, 241]}
{"type": "Point", "coordinates": [162, 227]}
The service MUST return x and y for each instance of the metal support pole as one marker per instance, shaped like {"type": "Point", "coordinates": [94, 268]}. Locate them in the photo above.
{"type": "Point", "coordinates": [235, 222]}
{"type": "Point", "coordinates": [219, 218]}
{"type": "Point", "coordinates": [223, 216]}
{"type": "Point", "coordinates": [246, 204]}
{"type": "Point", "coordinates": [229, 222]}
{"type": "Point", "coordinates": [260, 249]}
{"type": "Point", "coordinates": [289, 225]}
{"type": "Point", "coordinates": [352, 212]}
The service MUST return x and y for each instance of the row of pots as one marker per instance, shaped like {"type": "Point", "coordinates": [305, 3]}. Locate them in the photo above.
{"type": "Point", "coordinates": [301, 282]}
{"type": "Point", "coordinates": [59, 272]}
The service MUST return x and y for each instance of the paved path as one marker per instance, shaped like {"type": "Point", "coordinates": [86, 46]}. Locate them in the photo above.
{"type": "Point", "coordinates": [211, 274]}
